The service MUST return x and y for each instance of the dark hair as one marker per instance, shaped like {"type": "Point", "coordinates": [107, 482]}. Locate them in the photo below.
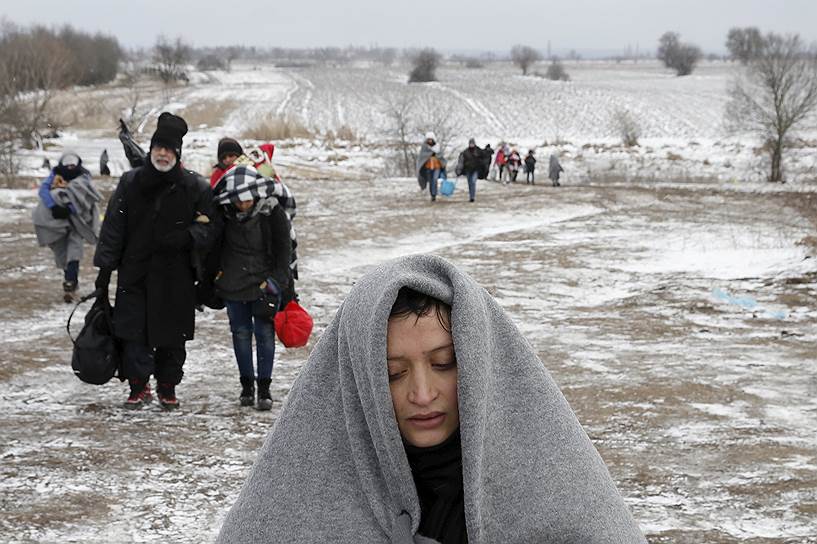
{"type": "Point", "coordinates": [410, 301]}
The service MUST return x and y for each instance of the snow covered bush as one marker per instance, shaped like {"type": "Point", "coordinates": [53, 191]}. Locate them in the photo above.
{"type": "Point", "coordinates": [556, 71]}
{"type": "Point", "coordinates": [627, 127]}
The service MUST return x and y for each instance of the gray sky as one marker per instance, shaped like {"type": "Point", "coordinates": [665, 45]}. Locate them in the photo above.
{"type": "Point", "coordinates": [584, 25]}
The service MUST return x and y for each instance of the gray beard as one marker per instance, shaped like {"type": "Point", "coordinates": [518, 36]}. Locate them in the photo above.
{"type": "Point", "coordinates": [161, 168]}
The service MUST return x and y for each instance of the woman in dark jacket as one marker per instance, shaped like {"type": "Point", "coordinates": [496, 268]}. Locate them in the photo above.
{"type": "Point", "coordinates": [253, 277]}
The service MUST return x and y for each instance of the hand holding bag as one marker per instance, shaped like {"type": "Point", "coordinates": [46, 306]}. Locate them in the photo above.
{"type": "Point", "coordinates": [96, 356]}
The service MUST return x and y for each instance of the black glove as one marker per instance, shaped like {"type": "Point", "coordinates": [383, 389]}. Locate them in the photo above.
{"type": "Point", "coordinates": [60, 212]}
{"type": "Point", "coordinates": [102, 281]}
{"type": "Point", "coordinates": [178, 240]}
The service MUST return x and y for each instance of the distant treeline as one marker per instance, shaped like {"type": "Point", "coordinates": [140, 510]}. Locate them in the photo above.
{"type": "Point", "coordinates": [40, 57]}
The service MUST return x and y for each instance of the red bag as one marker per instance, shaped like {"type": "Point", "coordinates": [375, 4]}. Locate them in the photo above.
{"type": "Point", "coordinates": [293, 325]}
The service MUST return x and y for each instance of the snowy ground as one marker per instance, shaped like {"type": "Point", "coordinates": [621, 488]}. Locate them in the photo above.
{"type": "Point", "coordinates": [636, 298]}
{"type": "Point", "coordinates": [678, 316]}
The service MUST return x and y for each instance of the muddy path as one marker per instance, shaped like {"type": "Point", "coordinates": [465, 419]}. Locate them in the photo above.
{"type": "Point", "coordinates": [637, 299]}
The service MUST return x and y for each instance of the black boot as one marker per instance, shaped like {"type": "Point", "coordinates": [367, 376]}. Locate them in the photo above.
{"type": "Point", "coordinates": [69, 290]}
{"type": "Point", "coordinates": [247, 397]}
{"type": "Point", "coordinates": [264, 398]}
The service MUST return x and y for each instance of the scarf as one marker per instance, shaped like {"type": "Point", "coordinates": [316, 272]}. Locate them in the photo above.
{"type": "Point", "coordinates": [437, 473]}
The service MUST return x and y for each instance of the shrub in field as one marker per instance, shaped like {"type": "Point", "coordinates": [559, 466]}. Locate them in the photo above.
{"type": "Point", "coordinates": [424, 66]}
{"type": "Point", "coordinates": [346, 133]}
{"type": "Point", "coordinates": [556, 71]}
{"type": "Point", "coordinates": [627, 127]}
{"type": "Point", "coordinates": [681, 57]}
{"type": "Point", "coordinates": [275, 128]}
{"type": "Point", "coordinates": [211, 62]}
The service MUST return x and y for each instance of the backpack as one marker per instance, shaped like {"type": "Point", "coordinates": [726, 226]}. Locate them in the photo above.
{"type": "Point", "coordinates": [97, 353]}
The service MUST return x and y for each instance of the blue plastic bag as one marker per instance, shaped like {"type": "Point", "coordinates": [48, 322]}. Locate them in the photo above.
{"type": "Point", "coordinates": [447, 186]}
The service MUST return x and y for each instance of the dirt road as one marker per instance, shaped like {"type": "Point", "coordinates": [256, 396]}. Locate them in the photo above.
{"type": "Point", "coordinates": [680, 322]}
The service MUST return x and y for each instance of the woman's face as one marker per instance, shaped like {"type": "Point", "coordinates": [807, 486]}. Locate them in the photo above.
{"type": "Point", "coordinates": [423, 379]}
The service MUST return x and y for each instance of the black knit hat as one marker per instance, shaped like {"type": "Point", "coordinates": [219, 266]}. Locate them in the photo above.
{"type": "Point", "coordinates": [170, 129]}
{"type": "Point", "coordinates": [228, 146]}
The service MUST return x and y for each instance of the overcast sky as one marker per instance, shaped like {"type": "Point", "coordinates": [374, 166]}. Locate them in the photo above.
{"type": "Point", "coordinates": [479, 25]}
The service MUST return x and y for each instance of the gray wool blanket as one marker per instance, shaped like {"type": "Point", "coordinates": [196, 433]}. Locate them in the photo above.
{"type": "Point", "coordinates": [334, 469]}
{"type": "Point", "coordinates": [422, 156]}
{"type": "Point", "coordinates": [83, 198]}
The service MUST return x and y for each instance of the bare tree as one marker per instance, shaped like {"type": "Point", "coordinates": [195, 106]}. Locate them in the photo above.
{"type": "Point", "coordinates": [681, 57]}
{"type": "Point", "coordinates": [36, 63]}
{"type": "Point", "coordinates": [744, 43]}
{"type": "Point", "coordinates": [524, 57]}
{"type": "Point", "coordinates": [424, 66]}
{"type": "Point", "coordinates": [400, 114]}
{"type": "Point", "coordinates": [776, 94]}
{"type": "Point", "coordinates": [171, 58]}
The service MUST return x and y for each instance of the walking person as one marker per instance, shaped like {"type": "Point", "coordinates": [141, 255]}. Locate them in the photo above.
{"type": "Point", "coordinates": [67, 217]}
{"type": "Point", "coordinates": [514, 164]}
{"type": "Point", "coordinates": [554, 170]}
{"type": "Point", "coordinates": [429, 165]}
{"type": "Point", "coordinates": [254, 278]}
{"type": "Point", "coordinates": [423, 415]}
{"type": "Point", "coordinates": [158, 217]}
{"type": "Point", "coordinates": [472, 164]}
{"type": "Point", "coordinates": [487, 157]}
{"type": "Point", "coordinates": [501, 160]}
{"type": "Point", "coordinates": [530, 167]}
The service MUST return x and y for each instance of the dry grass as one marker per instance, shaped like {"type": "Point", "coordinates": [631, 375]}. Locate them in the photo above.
{"type": "Point", "coordinates": [208, 113]}
{"type": "Point", "coordinates": [275, 128]}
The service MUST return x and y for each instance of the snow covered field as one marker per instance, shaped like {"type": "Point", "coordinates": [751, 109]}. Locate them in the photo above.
{"type": "Point", "coordinates": [678, 316]}
{"type": "Point", "coordinates": [681, 119]}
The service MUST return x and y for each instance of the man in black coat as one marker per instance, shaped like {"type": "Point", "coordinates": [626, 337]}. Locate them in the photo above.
{"type": "Point", "coordinates": [157, 217]}
{"type": "Point", "coordinates": [472, 164]}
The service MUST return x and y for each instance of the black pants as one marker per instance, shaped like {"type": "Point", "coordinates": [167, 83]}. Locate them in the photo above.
{"type": "Point", "coordinates": [529, 176]}
{"type": "Point", "coordinates": [140, 361]}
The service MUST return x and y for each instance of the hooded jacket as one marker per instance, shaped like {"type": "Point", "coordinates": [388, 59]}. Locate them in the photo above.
{"type": "Point", "coordinates": [334, 467]}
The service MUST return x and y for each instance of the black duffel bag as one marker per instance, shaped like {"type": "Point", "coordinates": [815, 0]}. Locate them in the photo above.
{"type": "Point", "coordinates": [97, 355]}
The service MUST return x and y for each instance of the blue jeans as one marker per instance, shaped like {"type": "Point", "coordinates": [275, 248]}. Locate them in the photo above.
{"type": "Point", "coordinates": [472, 184]}
{"type": "Point", "coordinates": [431, 178]}
{"type": "Point", "coordinates": [242, 325]}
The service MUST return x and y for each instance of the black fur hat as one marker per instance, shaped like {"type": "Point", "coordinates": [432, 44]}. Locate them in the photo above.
{"type": "Point", "coordinates": [170, 129]}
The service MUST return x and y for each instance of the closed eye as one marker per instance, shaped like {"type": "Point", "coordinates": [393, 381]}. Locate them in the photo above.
{"type": "Point", "coordinates": [445, 366]}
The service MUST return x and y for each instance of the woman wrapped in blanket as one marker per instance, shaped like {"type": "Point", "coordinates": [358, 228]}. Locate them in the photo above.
{"type": "Point", "coordinates": [423, 415]}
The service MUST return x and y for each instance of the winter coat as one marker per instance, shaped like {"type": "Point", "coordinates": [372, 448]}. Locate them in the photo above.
{"type": "Point", "coordinates": [554, 168]}
{"type": "Point", "coordinates": [334, 467]}
{"type": "Point", "coordinates": [155, 293]}
{"type": "Point", "coordinates": [501, 158]}
{"type": "Point", "coordinates": [252, 250]}
{"type": "Point", "coordinates": [472, 160]}
{"type": "Point", "coordinates": [487, 156]}
{"type": "Point", "coordinates": [530, 163]}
